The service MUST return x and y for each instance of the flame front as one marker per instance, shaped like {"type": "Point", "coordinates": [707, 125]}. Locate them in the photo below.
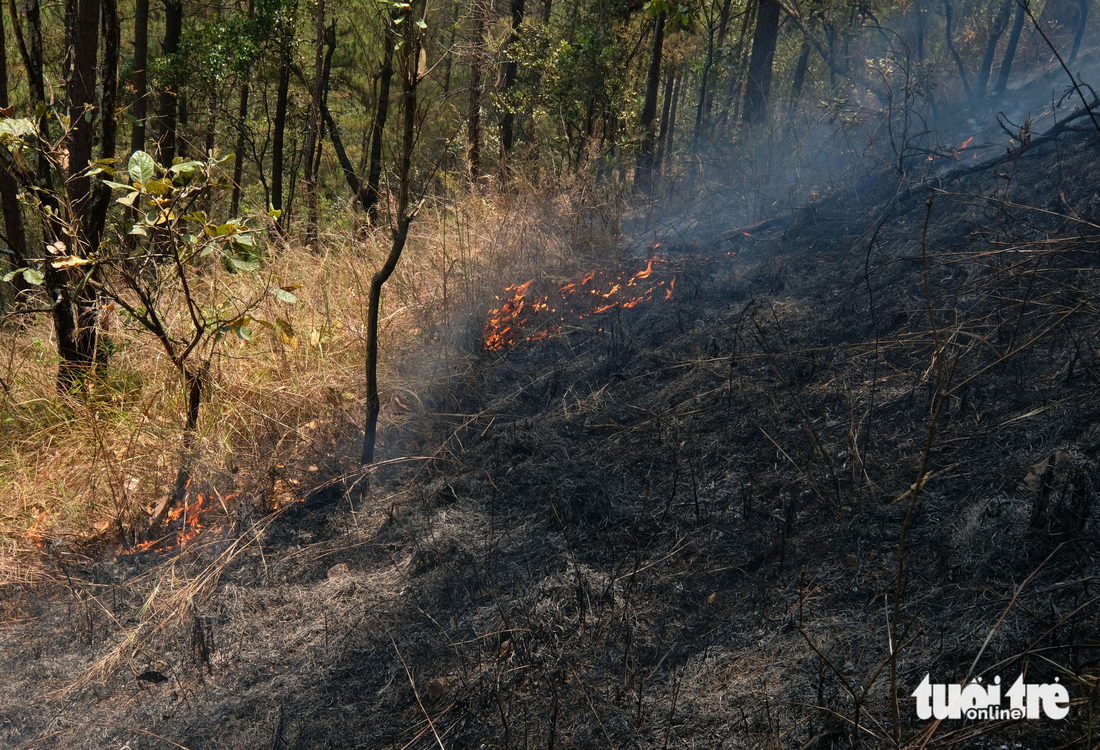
{"type": "Point", "coordinates": [185, 524]}
{"type": "Point", "coordinates": [523, 318]}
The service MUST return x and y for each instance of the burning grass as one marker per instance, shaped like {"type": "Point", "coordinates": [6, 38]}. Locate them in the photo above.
{"type": "Point", "coordinates": [530, 318]}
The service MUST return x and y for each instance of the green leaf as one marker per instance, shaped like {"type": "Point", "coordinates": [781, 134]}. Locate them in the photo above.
{"type": "Point", "coordinates": [244, 332]}
{"type": "Point", "coordinates": [421, 24]}
{"type": "Point", "coordinates": [238, 264]}
{"type": "Point", "coordinates": [116, 185]}
{"type": "Point", "coordinates": [159, 187]}
{"type": "Point", "coordinates": [141, 167]}
{"type": "Point", "coordinates": [284, 296]}
{"type": "Point", "coordinates": [33, 276]}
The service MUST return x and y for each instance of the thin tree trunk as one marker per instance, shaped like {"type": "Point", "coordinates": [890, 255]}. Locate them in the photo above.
{"type": "Point", "coordinates": [448, 61]}
{"type": "Point", "coordinates": [800, 69]}
{"type": "Point", "coordinates": [666, 107]}
{"type": "Point", "coordinates": [169, 104]}
{"type": "Point", "coordinates": [410, 79]}
{"type": "Point", "coordinates": [1082, 19]}
{"type": "Point", "coordinates": [510, 69]}
{"type": "Point", "coordinates": [378, 127]}
{"type": "Point", "coordinates": [670, 143]}
{"type": "Point", "coordinates": [140, 79]}
{"type": "Point", "coordinates": [947, 12]}
{"type": "Point", "coordinates": [643, 178]}
{"type": "Point", "coordinates": [9, 188]}
{"type": "Point", "coordinates": [473, 121]}
{"type": "Point", "coordinates": [758, 85]}
{"type": "Point", "coordinates": [1000, 22]}
{"type": "Point", "coordinates": [1010, 50]}
{"type": "Point", "coordinates": [242, 117]}
{"type": "Point", "coordinates": [704, 94]}
{"type": "Point", "coordinates": [278, 136]}
{"type": "Point", "coordinates": [309, 177]}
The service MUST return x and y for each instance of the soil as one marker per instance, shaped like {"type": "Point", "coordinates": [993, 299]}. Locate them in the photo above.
{"type": "Point", "coordinates": [675, 525]}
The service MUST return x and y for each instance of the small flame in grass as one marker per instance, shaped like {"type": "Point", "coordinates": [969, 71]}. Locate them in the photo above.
{"type": "Point", "coordinates": [594, 293]}
{"type": "Point", "coordinates": [34, 534]}
{"type": "Point", "coordinates": [185, 524]}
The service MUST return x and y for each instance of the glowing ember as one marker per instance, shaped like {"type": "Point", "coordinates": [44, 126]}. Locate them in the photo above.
{"type": "Point", "coordinates": [966, 143]}
{"type": "Point", "coordinates": [523, 318]}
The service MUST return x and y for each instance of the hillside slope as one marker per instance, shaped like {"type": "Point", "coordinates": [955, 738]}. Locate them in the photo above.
{"type": "Point", "coordinates": [677, 524]}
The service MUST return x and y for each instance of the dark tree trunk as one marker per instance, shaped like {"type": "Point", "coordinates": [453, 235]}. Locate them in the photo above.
{"type": "Point", "coordinates": [410, 79]}
{"type": "Point", "coordinates": [242, 117]}
{"type": "Point", "coordinates": [666, 107]}
{"type": "Point", "coordinates": [169, 100]}
{"type": "Point", "coordinates": [670, 142]}
{"type": "Point", "coordinates": [448, 60]}
{"type": "Point", "coordinates": [643, 179]}
{"type": "Point", "coordinates": [473, 121]}
{"type": "Point", "coordinates": [1082, 19]}
{"type": "Point", "coordinates": [1000, 22]}
{"type": "Point", "coordinates": [74, 311]}
{"type": "Point", "coordinates": [947, 13]}
{"type": "Point", "coordinates": [704, 93]}
{"type": "Point", "coordinates": [140, 79]}
{"type": "Point", "coordinates": [378, 127]}
{"type": "Point", "coordinates": [507, 123]}
{"type": "Point", "coordinates": [758, 84]}
{"type": "Point", "coordinates": [9, 187]}
{"type": "Point", "coordinates": [1010, 50]}
{"type": "Point", "coordinates": [278, 136]}
{"type": "Point", "coordinates": [800, 69]}
{"type": "Point", "coordinates": [30, 48]}
{"type": "Point", "coordinates": [309, 176]}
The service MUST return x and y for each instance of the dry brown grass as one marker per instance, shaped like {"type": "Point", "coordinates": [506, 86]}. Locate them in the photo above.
{"type": "Point", "coordinates": [96, 463]}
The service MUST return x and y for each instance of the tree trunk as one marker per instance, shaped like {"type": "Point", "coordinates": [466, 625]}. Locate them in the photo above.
{"type": "Point", "coordinates": [1000, 22]}
{"type": "Point", "coordinates": [758, 85]}
{"type": "Point", "coordinates": [278, 136]}
{"type": "Point", "coordinates": [666, 107]}
{"type": "Point", "coordinates": [704, 94]}
{"type": "Point", "coordinates": [800, 69]}
{"type": "Point", "coordinates": [169, 104]}
{"type": "Point", "coordinates": [9, 188]}
{"type": "Point", "coordinates": [242, 117]}
{"type": "Point", "coordinates": [140, 79]}
{"type": "Point", "coordinates": [507, 123]}
{"type": "Point", "coordinates": [378, 127]}
{"type": "Point", "coordinates": [643, 178]}
{"type": "Point", "coordinates": [947, 12]}
{"type": "Point", "coordinates": [1010, 50]}
{"type": "Point", "coordinates": [670, 142]}
{"type": "Point", "coordinates": [1082, 19]}
{"type": "Point", "coordinates": [410, 79]}
{"type": "Point", "coordinates": [30, 48]}
{"type": "Point", "coordinates": [309, 177]}
{"type": "Point", "coordinates": [473, 122]}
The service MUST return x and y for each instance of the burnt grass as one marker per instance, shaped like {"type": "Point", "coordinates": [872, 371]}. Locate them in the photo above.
{"type": "Point", "coordinates": [672, 526]}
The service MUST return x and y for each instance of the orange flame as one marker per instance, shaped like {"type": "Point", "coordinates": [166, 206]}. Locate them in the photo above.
{"type": "Point", "coordinates": [966, 143]}
{"type": "Point", "coordinates": [520, 311]}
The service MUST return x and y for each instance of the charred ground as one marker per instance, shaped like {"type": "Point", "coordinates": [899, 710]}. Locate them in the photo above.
{"type": "Point", "coordinates": [674, 525]}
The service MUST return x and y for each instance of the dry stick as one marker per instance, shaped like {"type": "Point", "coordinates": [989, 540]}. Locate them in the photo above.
{"type": "Point", "coordinates": [416, 694]}
{"type": "Point", "coordinates": [942, 394]}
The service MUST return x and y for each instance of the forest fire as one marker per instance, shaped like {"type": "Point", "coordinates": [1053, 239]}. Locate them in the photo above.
{"type": "Point", "coordinates": [595, 293]}
{"type": "Point", "coordinates": [184, 524]}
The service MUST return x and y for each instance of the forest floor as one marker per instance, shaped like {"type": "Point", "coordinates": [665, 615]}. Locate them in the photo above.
{"type": "Point", "coordinates": [677, 524]}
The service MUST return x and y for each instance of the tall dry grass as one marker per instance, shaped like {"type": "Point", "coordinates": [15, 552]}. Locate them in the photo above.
{"type": "Point", "coordinates": [95, 463]}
